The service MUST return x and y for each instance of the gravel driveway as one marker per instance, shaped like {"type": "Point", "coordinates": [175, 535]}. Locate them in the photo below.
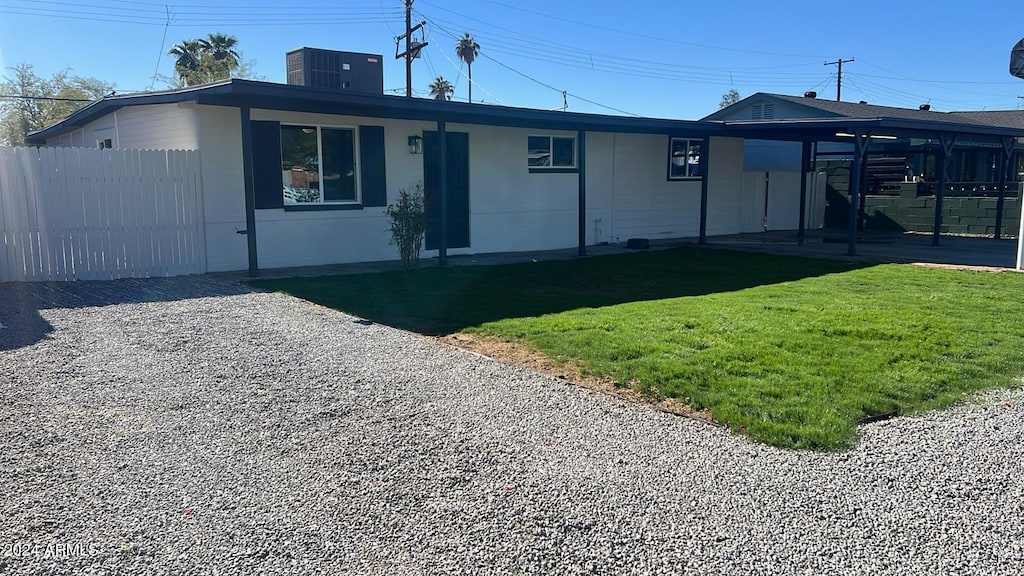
{"type": "Point", "coordinates": [189, 426]}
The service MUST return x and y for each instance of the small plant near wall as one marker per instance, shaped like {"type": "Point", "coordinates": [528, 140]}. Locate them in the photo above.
{"type": "Point", "coordinates": [408, 217]}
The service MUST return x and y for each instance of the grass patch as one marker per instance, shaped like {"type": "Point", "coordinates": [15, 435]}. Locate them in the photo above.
{"type": "Point", "coordinates": [796, 350]}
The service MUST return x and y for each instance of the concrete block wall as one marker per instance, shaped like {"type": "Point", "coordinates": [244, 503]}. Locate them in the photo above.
{"type": "Point", "coordinates": [960, 215]}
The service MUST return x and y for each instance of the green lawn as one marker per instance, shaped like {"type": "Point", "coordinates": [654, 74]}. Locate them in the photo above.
{"type": "Point", "coordinates": [793, 349]}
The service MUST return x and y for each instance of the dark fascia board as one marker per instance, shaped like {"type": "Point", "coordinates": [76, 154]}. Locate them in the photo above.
{"type": "Point", "coordinates": [764, 97]}
{"type": "Point", "coordinates": [270, 96]}
{"type": "Point", "coordinates": [273, 96]}
{"type": "Point", "coordinates": [108, 104]}
{"type": "Point", "coordinates": [824, 129]}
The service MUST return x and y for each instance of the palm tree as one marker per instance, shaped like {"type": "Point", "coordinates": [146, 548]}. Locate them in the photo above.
{"type": "Point", "coordinates": [441, 89]}
{"type": "Point", "coordinates": [188, 53]}
{"type": "Point", "coordinates": [206, 59]}
{"type": "Point", "coordinates": [468, 49]}
{"type": "Point", "coordinates": [222, 47]}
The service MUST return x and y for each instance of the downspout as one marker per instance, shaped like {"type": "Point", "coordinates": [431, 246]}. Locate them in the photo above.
{"type": "Point", "coordinates": [117, 133]}
{"type": "Point", "coordinates": [250, 192]}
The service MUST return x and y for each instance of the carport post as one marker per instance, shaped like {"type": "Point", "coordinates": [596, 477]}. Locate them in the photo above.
{"type": "Point", "coordinates": [1004, 168]}
{"type": "Point", "coordinates": [860, 150]}
{"type": "Point", "coordinates": [946, 157]}
{"type": "Point", "coordinates": [805, 167]}
{"type": "Point", "coordinates": [581, 163]}
{"type": "Point", "coordinates": [442, 193]}
{"type": "Point", "coordinates": [705, 153]}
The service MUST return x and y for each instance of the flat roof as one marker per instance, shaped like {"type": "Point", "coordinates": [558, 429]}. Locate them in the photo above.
{"type": "Point", "coordinates": [273, 96]}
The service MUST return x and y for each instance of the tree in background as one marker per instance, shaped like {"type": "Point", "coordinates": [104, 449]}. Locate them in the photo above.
{"type": "Point", "coordinates": [33, 102]}
{"type": "Point", "coordinates": [467, 50]}
{"type": "Point", "coordinates": [729, 98]}
{"type": "Point", "coordinates": [209, 59]}
{"type": "Point", "coordinates": [441, 89]}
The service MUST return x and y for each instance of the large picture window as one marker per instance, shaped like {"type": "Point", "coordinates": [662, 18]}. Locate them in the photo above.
{"type": "Point", "coordinates": [551, 152]}
{"type": "Point", "coordinates": [318, 165]}
{"type": "Point", "coordinates": [684, 158]}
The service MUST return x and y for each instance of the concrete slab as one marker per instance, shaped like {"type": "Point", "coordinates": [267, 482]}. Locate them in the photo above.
{"type": "Point", "coordinates": [880, 247]}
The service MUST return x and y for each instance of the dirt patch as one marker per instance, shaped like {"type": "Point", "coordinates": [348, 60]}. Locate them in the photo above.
{"type": "Point", "coordinates": [972, 268]}
{"type": "Point", "coordinates": [521, 355]}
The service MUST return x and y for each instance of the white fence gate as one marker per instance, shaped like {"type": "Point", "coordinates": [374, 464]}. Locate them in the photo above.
{"type": "Point", "coordinates": [90, 214]}
{"type": "Point", "coordinates": [771, 201]}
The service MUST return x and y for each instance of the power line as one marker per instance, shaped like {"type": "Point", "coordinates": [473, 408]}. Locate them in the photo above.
{"type": "Point", "coordinates": [839, 77]}
{"type": "Point", "coordinates": [459, 67]}
{"type": "Point", "coordinates": [638, 34]}
{"type": "Point", "coordinates": [50, 98]}
{"type": "Point", "coordinates": [567, 54]}
{"type": "Point", "coordinates": [528, 77]}
{"type": "Point", "coordinates": [160, 54]}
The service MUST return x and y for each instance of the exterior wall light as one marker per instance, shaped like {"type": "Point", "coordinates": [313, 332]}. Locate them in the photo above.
{"type": "Point", "coordinates": [415, 145]}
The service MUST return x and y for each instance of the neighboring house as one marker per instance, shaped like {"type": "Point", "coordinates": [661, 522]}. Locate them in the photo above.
{"type": "Point", "coordinates": [304, 173]}
{"type": "Point", "coordinates": [896, 170]}
{"type": "Point", "coordinates": [785, 155]}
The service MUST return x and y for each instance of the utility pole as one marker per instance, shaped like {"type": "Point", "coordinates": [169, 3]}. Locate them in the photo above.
{"type": "Point", "coordinates": [412, 47]}
{"type": "Point", "coordinates": [839, 78]}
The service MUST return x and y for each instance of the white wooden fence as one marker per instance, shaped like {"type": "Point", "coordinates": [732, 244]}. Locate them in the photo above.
{"type": "Point", "coordinates": [90, 214]}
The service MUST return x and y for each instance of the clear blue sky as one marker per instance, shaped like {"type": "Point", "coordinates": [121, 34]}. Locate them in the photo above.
{"type": "Point", "coordinates": [659, 58]}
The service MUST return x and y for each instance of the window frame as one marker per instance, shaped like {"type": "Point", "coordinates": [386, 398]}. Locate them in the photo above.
{"type": "Point", "coordinates": [690, 142]}
{"type": "Point", "coordinates": [356, 168]}
{"type": "Point", "coordinates": [551, 152]}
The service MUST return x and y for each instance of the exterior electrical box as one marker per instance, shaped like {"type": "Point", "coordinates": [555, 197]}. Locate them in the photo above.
{"type": "Point", "coordinates": [336, 70]}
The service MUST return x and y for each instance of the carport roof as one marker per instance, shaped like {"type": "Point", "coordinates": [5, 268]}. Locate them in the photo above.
{"type": "Point", "coordinates": [833, 129]}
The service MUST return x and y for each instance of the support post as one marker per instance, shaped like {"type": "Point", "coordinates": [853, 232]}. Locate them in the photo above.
{"type": "Point", "coordinates": [581, 164]}
{"type": "Point", "coordinates": [705, 157]}
{"type": "Point", "coordinates": [860, 150]}
{"type": "Point", "coordinates": [805, 167]}
{"type": "Point", "coordinates": [442, 193]}
{"type": "Point", "coordinates": [1004, 168]}
{"type": "Point", "coordinates": [945, 159]}
{"type": "Point", "coordinates": [250, 191]}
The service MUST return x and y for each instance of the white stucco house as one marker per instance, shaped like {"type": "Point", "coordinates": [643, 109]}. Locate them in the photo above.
{"type": "Point", "coordinates": [516, 179]}
{"type": "Point", "coordinates": [295, 175]}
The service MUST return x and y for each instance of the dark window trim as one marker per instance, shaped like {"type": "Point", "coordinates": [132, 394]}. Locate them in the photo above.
{"type": "Point", "coordinates": [668, 173]}
{"type": "Point", "coordinates": [551, 142]}
{"type": "Point", "coordinates": [317, 207]}
{"type": "Point", "coordinates": [356, 156]}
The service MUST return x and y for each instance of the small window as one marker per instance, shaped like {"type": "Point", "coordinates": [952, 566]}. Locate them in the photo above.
{"type": "Point", "coordinates": [105, 144]}
{"type": "Point", "coordinates": [551, 152]}
{"type": "Point", "coordinates": [684, 158]}
{"type": "Point", "coordinates": [318, 165]}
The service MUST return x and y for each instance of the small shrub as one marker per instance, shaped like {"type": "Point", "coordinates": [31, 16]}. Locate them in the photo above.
{"type": "Point", "coordinates": [408, 224]}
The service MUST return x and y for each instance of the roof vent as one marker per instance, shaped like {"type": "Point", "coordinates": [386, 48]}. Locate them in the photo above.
{"type": "Point", "coordinates": [863, 102]}
{"type": "Point", "coordinates": [925, 107]}
{"type": "Point", "coordinates": [810, 94]}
